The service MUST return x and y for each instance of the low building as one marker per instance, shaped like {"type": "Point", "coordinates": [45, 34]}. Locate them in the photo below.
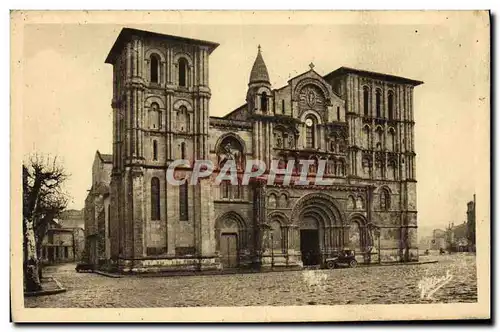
{"type": "Point", "coordinates": [58, 245]}
{"type": "Point", "coordinates": [438, 239]}
{"type": "Point", "coordinates": [74, 219]}
{"type": "Point", "coordinates": [96, 211]}
{"type": "Point", "coordinates": [457, 238]}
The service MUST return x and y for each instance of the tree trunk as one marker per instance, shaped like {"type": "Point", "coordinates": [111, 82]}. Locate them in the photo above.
{"type": "Point", "coordinates": [39, 256]}
{"type": "Point", "coordinates": [31, 274]}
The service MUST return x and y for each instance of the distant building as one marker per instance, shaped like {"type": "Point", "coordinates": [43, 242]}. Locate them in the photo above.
{"type": "Point", "coordinates": [438, 239]}
{"type": "Point", "coordinates": [463, 237]}
{"type": "Point", "coordinates": [74, 219]}
{"type": "Point", "coordinates": [58, 245]}
{"type": "Point", "coordinates": [457, 238]}
{"type": "Point", "coordinates": [96, 211]}
{"type": "Point", "coordinates": [471, 224]}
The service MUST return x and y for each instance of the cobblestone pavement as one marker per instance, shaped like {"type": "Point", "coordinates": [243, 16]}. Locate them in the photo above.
{"type": "Point", "coordinates": [361, 285]}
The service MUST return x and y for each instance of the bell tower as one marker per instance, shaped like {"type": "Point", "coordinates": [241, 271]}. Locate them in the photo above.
{"type": "Point", "coordinates": [260, 103]}
{"type": "Point", "coordinates": [160, 105]}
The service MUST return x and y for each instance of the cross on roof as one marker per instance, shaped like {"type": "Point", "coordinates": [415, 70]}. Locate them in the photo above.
{"type": "Point", "coordinates": [311, 65]}
{"type": "Point", "coordinates": [259, 47]}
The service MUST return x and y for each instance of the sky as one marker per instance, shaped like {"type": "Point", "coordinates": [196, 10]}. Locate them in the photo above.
{"type": "Point", "coordinates": [67, 89]}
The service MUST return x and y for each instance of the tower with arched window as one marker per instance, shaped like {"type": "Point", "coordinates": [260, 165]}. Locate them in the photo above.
{"type": "Point", "coordinates": [160, 89]}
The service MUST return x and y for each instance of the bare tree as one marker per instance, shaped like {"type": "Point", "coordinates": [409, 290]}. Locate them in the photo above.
{"type": "Point", "coordinates": [43, 200]}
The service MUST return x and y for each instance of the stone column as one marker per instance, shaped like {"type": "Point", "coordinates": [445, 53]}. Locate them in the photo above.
{"type": "Point", "coordinates": [171, 203]}
{"type": "Point", "coordinates": [138, 212]}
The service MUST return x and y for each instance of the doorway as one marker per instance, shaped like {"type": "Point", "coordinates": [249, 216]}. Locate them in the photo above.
{"type": "Point", "coordinates": [229, 250]}
{"type": "Point", "coordinates": [50, 255]}
{"type": "Point", "coordinates": [309, 247]}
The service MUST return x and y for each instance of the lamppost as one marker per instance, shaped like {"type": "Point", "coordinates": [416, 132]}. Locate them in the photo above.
{"type": "Point", "coordinates": [272, 251]}
{"type": "Point", "coordinates": [377, 234]}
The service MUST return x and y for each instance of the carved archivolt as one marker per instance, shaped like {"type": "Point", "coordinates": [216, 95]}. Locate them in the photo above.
{"type": "Point", "coordinates": [310, 81]}
{"type": "Point", "coordinates": [322, 205]}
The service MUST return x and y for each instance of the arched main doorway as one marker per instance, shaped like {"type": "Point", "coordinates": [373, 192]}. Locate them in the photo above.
{"type": "Point", "coordinates": [309, 240]}
{"type": "Point", "coordinates": [320, 227]}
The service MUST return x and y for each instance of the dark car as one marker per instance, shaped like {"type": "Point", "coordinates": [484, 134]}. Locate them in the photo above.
{"type": "Point", "coordinates": [343, 258]}
{"type": "Point", "coordinates": [84, 267]}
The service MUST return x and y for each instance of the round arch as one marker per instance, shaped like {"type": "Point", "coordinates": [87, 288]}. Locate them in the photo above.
{"type": "Point", "coordinates": [222, 221]}
{"type": "Point", "coordinates": [183, 102]}
{"type": "Point", "coordinates": [312, 113]}
{"type": "Point", "coordinates": [233, 223]}
{"type": "Point", "coordinates": [277, 216]}
{"type": "Point", "coordinates": [382, 188]}
{"type": "Point", "coordinates": [311, 81]}
{"type": "Point", "coordinates": [154, 51]}
{"type": "Point", "coordinates": [321, 202]}
{"type": "Point", "coordinates": [180, 55]}
{"type": "Point", "coordinates": [318, 224]}
{"type": "Point", "coordinates": [154, 99]}
{"type": "Point", "coordinates": [230, 135]}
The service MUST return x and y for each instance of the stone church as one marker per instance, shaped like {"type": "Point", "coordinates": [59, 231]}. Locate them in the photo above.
{"type": "Point", "coordinates": [360, 122]}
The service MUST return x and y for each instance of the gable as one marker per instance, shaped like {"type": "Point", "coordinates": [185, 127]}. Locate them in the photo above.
{"type": "Point", "coordinates": [241, 114]}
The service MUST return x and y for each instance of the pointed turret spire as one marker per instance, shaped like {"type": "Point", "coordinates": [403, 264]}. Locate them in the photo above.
{"type": "Point", "coordinates": [259, 70]}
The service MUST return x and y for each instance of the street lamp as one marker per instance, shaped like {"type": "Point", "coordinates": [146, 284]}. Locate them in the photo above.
{"type": "Point", "coordinates": [272, 251]}
{"type": "Point", "coordinates": [377, 233]}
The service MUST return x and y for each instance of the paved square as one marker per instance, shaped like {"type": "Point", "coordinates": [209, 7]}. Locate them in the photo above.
{"type": "Point", "coordinates": [361, 285]}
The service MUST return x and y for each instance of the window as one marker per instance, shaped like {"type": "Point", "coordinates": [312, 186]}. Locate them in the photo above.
{"type": "Point", "coordinates": [237, 191]}
{"type": "Point", "coordinates": [155, 199]}
{"type": "Point", "coordinates": [283, 202]}
{"type": "Point", "coordinates": [366, 108]}
{"type": "Point", "coordinates": [380, 138]}
{"type": "Point", "coordinates": [351, 204]}
{"type": "Point", "coordinates": [390, 102]}
{"type": "Point", "coordinates": [340, 168]}
{"type": "Point", "coordinates": [283, 106]}
{"type": "Point", "coordinates": [224, 186]}
{"type": "Point", "coordinates": [183, 150]}
{"type": "Point", "coordinates": [392, 140]}
{"type": "Point", "coordinates": [154, 68]}
{"type": "Point", "coordinates": [392, 170]}
{"type": "Point", "coordinates": [338, 113]}
{"type": "Point", "coordinates": [155, 150]}
{"type": "Point", "coordinates": [182, 72]}
{"type": "Point", "coordinates": [155, 116]}
{"type": "Point", "coordinates": [285, 141]}
{"type": "Point", "coordinates": [377, 103]}
{"type": "Point", "coordinates": [183, 201]}
{"type": "Point", "coordinates": [310, 136]}
{"type": "Point", "coordinates": [366, 138]}
{"type": "Point", "coordinates": [271, 203]}
{"type": "Point", "coordinates": [182, 119]}
{"type": "Point", "coordinates": [263, 102]}
{"type": "Point", "coordinates": [314, 166]}
{"type": "Point", "coordinates": [385, 200]}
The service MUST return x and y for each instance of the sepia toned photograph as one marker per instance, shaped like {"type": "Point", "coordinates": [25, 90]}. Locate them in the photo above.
{"type": "Point", "coordinates": [250, 166]}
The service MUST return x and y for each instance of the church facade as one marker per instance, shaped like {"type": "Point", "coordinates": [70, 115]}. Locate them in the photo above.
{"type": "Point", "coordinates": [360, 123]}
